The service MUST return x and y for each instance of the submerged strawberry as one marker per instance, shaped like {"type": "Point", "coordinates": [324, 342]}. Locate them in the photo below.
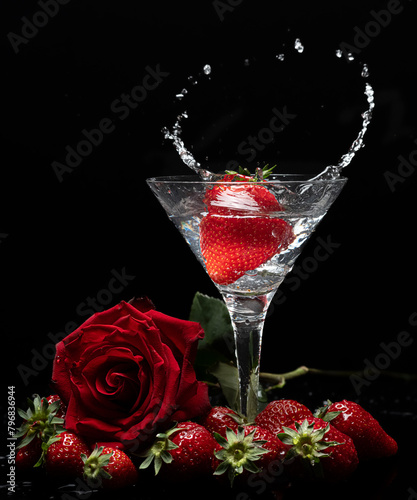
{"type": "Point", "coordinates": [233, 246]}
{"type": "Point", "coordinates": [240, 231]}
{"type": "Point", "coordinates": [371, 441]}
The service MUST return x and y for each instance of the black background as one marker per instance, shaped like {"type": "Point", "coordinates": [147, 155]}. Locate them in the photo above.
{"type": "Point", "coordinates": [60, 241]}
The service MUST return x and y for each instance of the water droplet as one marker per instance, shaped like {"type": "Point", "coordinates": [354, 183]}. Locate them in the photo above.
{"type": "Point", "coordinates": [207, 69]}
{"type": "Point", "coordinates": [247, 322]}
{"type": "Point", "coordinates": [182, 94]}
{"type": "Point", "coordinates": [251, 272]}
{"type": "Point", "coordinates": [350, 56]}
{"type": "Point", "coordinates": [299, 47]}
{"type": "Point", "coordinates": [280, 57]}
{"type": "Point", "coordinates": [365, 71]}
{"type": "Point", "coordinates": [339, 53]}
{"type": "Point", "coordinates": [246, 62]}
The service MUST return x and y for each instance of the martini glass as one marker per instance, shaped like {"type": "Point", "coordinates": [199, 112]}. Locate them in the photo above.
{"type": "Point", "coordinates": [275, 232]}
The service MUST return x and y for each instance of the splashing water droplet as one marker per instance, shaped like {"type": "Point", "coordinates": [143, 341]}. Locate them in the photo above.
{"type": "Point", "coordinates": [330, 172]}
{"type": "Point", "coordinates": [185, 155]}
{"type": "Point", "coordinates": [182, 94]}
{"type": "Point", "coordinates": [365, 71]}
{"type": "Point", "coordinates": [334, 171]}
{"type": "Point", "coordinates": [299, 47]}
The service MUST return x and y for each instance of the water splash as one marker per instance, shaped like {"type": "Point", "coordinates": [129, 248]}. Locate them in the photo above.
{"type": "Point", "coordinates": [334, 171]}
{"type": "Point", "coordinates": [185, 155]}
{"type": "Point", "coordinates": [298, 46]}
{"type": "Point", "coordinates": [330, 172]}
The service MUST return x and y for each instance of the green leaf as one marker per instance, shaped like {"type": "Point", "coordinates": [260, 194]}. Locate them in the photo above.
{"type": "Point", "coordinates": [23, 414]}
{"type": "Point", "coordinates": [220, 439]}
{"type": "Point", "coordinates": [251, 467]}
{"type": "Point", "coordinates": [148, 460]}
{"type": "Point", "coordinates": [214, 317]}
{"type": "Point", "coordinates": [221, 469]}
{"type": "Point", "coordinates": [228, 378]}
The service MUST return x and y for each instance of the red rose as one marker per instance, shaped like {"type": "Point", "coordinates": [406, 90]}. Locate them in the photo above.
{"type": "Point", "coordinates": [127, 372]}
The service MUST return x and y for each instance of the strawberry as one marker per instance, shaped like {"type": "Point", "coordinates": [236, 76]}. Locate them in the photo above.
{"type": "Point", "coordinates": [370, 439]}
{"type": "Point", "coordinates": [220, 418]}
{"type": "Point", "coordinates": [236, 198]}
{"type": "Point", "coordinates": [28, 455]}
{"type": "Point", "coordinates": [184, 452]}
{"type": "Point", "coordinates": [283, 412]}
{"type": "Point", "coordinates": [232, 246]}
{"type": "Point", "coordinates": [109, 468]}
{"type": "Point", "coordinates": [238, 234]}
{"type": "Point", "coordinates": [241, 449]}
{"type": "Point", "coordinates": [325, 452]}
{"type": "Point", "coordinates": [41, 422]}
{"type": "Point", "coordinates": [63, 455]}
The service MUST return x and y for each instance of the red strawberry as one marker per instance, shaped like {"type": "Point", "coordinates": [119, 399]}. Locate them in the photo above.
{"type": "Point", "coordinates": [239, 234]}
{"type": "Point", "coordinates": [231, 246]}
{"type": "Point", "coordinates": [28, 455]}
{"type": "Point", "coordinates": [371, 441]}
{"type": "Point", "coordinates": [236, 198]}
{"type": "Point", "coordinates": [63, 455]}
{"type": "Point", "coordinates": [220, 418]}
{"type": "Point", "coordinates": [325, 452]}
{"type": "Point", "coordinates": [41, 422]}
{"type": "Point", "coordinates": [109, 468]}
{"type": "Point", "coordinates": [249, 450]}
{"type": "Point", "coordinates": [183, 452]}
{"type": "Point", "coordinates": [281, 412]}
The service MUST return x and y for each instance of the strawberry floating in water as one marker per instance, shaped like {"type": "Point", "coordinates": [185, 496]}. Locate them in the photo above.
{"type": "Point", "coordinates": [240, 231]}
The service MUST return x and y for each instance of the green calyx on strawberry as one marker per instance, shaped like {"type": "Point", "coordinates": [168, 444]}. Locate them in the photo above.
{"type": "Point", "coordinates": [40, 421]}
{"type": "Point", "coordinates": [324, 451]}
{"type": "Point", "coordinates": [94, 465]}
{"type": "Point", "coordinates": [158, 453]}
{"type": "Point", "coordinates": [306, 441]}
{"type": "Point", "coordinates": [183, 452]}
{"type": "Point", "coordinates": [240, 450]}
{"type": "Point", "coordinates": [109, 468]}
{"type": "Point", "coordinates": [241, 231]}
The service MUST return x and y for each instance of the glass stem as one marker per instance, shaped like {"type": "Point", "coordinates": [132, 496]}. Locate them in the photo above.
{"type": "Point", "coordinates": [248, 316]}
